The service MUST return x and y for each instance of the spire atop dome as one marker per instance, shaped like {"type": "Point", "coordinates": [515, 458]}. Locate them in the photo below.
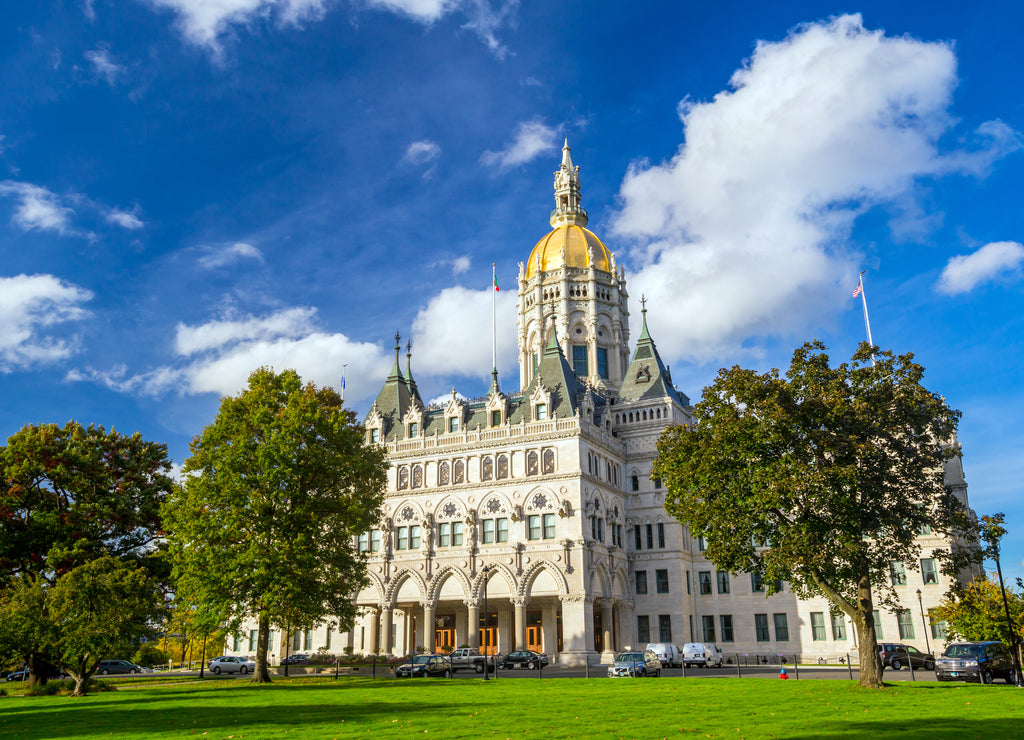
{"type": "Point", "coordinates": [567, 193]}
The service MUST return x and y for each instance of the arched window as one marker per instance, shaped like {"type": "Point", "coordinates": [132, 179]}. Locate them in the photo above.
{"type": "Point", "coordinates": [532, 463]}
{"type": "Point", "coordinates": [502, 466]}
{"type": "Point", "coordinates": [549, 461]}
{"type": "Point", "coordinates": [417, 476]}
{"type": "Point", "coordinates": [486, 468]}
{"type": "Point", "coordinates": [403, 478]}
{"type": "Point", "coordinates": [459, 472]}
{"type": "Point", "coordinates": [443, 474]}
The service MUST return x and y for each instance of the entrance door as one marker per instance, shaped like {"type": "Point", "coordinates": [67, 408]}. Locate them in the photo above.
{"type": "Point", "coordinates": [489, 633]}
{"type": "Point", "coordinates": [535, 639]}
{"type": "Point", "coordinates": [444, 640]}
{"type": "Point", "coordinates": [598, 632]}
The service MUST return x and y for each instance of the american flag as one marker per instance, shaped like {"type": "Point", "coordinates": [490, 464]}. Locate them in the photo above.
{"type": "Point", "coordinates": [857, 291]}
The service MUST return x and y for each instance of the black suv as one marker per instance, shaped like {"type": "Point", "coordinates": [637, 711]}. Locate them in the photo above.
{"type": "Point", "coordinates": [895, 655]}
{"type": "Point", "coordinates": [975, 661]}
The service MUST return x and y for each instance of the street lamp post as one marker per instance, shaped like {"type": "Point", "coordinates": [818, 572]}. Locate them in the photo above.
{"type": "Point", "coordinates": [924, 623]}
{"type": "Point", "coordinates": [483, 638]}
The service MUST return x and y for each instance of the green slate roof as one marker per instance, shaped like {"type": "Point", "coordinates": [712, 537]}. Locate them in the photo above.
{"type": "Point", "coordinates": [647, 377]}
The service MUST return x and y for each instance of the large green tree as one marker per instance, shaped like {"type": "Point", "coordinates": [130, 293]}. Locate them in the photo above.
{"type": "Point", "coordinates": [276, 489]}
{"type": "Point", "coordinates": [836, 468]}
{"type": "Point", "coordinates": [70, 495]}
{"type": "Point", "coordinates": [975, 612]}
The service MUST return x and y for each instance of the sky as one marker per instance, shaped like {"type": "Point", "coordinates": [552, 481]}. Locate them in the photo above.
{"type": "Point", "coordinates": [190, 189]}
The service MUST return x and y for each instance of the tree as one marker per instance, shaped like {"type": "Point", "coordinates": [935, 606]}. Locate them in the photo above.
{"type": "Point", "coordinates": [975, 612]}
{"type": "Point", "coordinates": [71, 495]}
{"type": "Point", "coordinates": [836, 468]}
{"type": "Point", "coordinates": [276, 490]}
{"type": "Point", "coordinates": [100, 609]}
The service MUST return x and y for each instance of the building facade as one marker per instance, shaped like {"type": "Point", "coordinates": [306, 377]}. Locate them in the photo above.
{"type": "Point", "coordinates": [529, 518]}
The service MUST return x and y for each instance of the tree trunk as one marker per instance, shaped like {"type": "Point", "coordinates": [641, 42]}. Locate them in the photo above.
{"type": "Point", "coordinates": [39, 670]}
{"type": "Point", "coordinates": [262, 672]}
{"type": "Point", "coordinates": [870, 660]}
{"type": "Point", "coordinates": [81, 674]}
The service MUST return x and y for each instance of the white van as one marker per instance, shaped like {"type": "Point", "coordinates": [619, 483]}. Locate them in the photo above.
{"type": "Point", "coordinates": [667, 653]}
{"type": "Point", "coordinates": [703, 655]}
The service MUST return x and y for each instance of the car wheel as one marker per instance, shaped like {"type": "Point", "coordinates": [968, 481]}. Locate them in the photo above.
{"type": "Point", "coordinates": [104, 672]}
{"type": "Point", "coordinates": [532, 666]}
{"type": "Point", "coordinates": [658, 674]}
{"type": "Point", "coordinates": [243, 670]}
{"type": "Point", "coordinates": [896, 665]}
{"type": "Point", "coordinates": [478, 667]}
{"type": "Point", "coordinates": [986, 677]}
{"type": "Point", "coordinates": [448, 673]}
{"type": "Point", "coordinates": [929, 665]}
{"type": "Point", "coordinates": [133, 670]}
{"type": "Point", "coordinates": [216, 670]}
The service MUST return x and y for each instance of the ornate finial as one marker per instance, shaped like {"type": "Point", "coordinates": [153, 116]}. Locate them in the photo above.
{"type": "Point", "coordinates": [408, 347]}
{"type": "Point", "coordinates": [398, 340]}
{"type": "Point", "coordinates": [643, 302]}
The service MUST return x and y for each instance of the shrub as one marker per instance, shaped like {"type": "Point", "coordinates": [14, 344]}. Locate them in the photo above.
{"type": "Point", "coordinates": [150, 655]}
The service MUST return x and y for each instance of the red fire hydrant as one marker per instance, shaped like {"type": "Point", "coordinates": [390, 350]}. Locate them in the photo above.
{"type": "Point", "coordinates": [783, 675]}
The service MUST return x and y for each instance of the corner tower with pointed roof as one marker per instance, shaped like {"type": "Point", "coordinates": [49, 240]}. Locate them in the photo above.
{"type": "Point", "coordinates": [572, 282]}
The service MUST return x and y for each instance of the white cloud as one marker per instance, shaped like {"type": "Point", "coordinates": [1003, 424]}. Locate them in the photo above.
{"type": "Point", "coordinates": [461, 264]}
{"type": "Point", "coordinates": [422, 152]}
{"type": "Point", "coordinates": [218, 357]}
{"type": "Point", "coordinates": [452, 334]}
{"type": "Point", "coordinates": [532, 139]}
{"type": "Point", "coordinates": [965, 272]}
{"type": "Point", "coordinates": [29, 304]}
{"type": "Point", "coordinates": [124, 219]}
{"type": "Point", "coordinates": [745, 229]}
{"type": "Point", "coordinates": [104, 65]}
{"type": "Point", "coordinates": [88, 10]}
{"type": "Point", "coordinates": [228, 255]}
{"type": "Point", "coordinates": [38, 209]}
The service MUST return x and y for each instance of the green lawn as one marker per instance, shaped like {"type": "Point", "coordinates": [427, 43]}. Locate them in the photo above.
{"type": "Point", "coordinates": [522, 708]}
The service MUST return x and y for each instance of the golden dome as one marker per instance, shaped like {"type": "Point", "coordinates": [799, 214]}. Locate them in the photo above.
{"type": "Point", "coordinates": [568, 245]}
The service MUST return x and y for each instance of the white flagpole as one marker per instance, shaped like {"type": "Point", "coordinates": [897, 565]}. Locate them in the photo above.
{"type": "Point", "coordinates": [867, 321]}
{"type": "Point", "coordinates": [494, 335]}
{"type": "Point", "coordinates": [343, 382]}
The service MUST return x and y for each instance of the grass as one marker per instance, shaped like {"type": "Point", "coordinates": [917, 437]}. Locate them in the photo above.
{"type": "Point", "coordinates": [522, 708]}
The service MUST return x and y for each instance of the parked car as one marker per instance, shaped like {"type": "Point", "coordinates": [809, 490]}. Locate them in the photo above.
{"type": "Point", "coordinates": [422, 666]}
{"type": "Point", "coordinates": [703, 655]}
{"type": "Point", "coordinates": [635, 664]}
{"type": "Point", "coordinates": [975, 661]}
{"type": "Point", "coordinates": [232, 664]}
{"type": "Point", "coordinates": [896, 655]}
{"type": "Point", "coordinates": [296, 659]}
{"type": "Point", "coordinates": [667, 653]}
{"type": "Point", "coordinates": [524, 659]}
{"type": "Point", "coordinates": [117, 666]}
{"type": "Point", "coordinates": [23, 674]}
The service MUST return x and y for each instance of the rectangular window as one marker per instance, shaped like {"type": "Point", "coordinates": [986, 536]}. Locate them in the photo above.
{"type": "Point", "coordinates": [928, 572]}
{"type": "Point", "coordinates": [488, 531]}
{"type": "Point", "coordinates": [687, 582]}
{"type": "Point", "coordinates": [549, 527]}
{"type": "Point", "coordinates": [725, 622]}
{"type": "Point", "coordinates": [634, 483]}
{"type": "Point", "coordinates": [374, 540]}
{"type": "Point", "coordinates": [253, 637]}
{"type": "Point", "coordinates": [593, 527]}
{"type": "Point", "coordinates": [444, 534]}
{"type": "Point", "coordinates": [708, 623]}
{"type": "Point", "coordinates": [723, 582]}
{"type": "Point", "coordinates": [905, 622]}
{"type": "Point", "coordinates": [579, 360]}
{"type": "Point", "coordinates": [701, 544]}
{"type": "Point", "coordinates": [897, 573]}
{"type": "Point", "coordinates": [308, 640]}
{"type": "Point", "coordinates": [777, 586]}
{"type": "Point", "coordinates": [924, 529]}
{"type": "Point", "coordinates": [238, 643]}
{"type": "Point", "coordinates": [878, 624]}
{"type": "Point", "coordinates": [330, 631]}
{"type": "Point", "coordinates": [533, 527]}
{"type": "Point", "coordinates": [600, 530]}
{"type": "Point", "coordinates": [704, 578]}
{"type": "Point", "coordinates": [636, 533]}
{"type": "Point", "coordinates": [761, 628]}
{"type": "Point", "coordinates": [297, 640]}
{"type": "Point", "coordinates": [457, 534]}
{"type": "Point", "coordinates": [540, 413]}
{"type": "Point", "coordinates": [502, 529]}
{"type": "Point", "coordinates": [374, 436]}
{"type": "Point", "coordinates": [664, 628]}
{"type": "Point", "coordinates": [364, 542]}
{"type": "Point", "coordinates": [940, 629]}
{"type": "Point", "coordinates": [414, 430]}
{"type": "Point", "coordinates": [818, 625]}
{"type": "Point", "coordinates": [453, 424]}
{"type": "Point", "coordinates": [496, 418]}
{"type": "Point", "coordinates": [602, 362]}
{"type": "Point", "coordinates": [756, 581]}
{"type": "Point", "coordinates": [643, 629]}
{"type": "Point", "coordinates": [641, 582]}
{"type": "Point", "coordinates": [781, 627]}
{"type": "Point", "coordinates": [402, 538]}
{"type": "Point", "coordinates": [650, 537]}
{"type": "Point", "coordinates": [839, 626]}
{"type": "Point", "coordinates": [414, 537]}
{"type": "Point", "coordinates": [657, 483]}
{"type": "Point", "coordinates": [661, 535]}
{"type": "Point", "coordinates": [661, 579]}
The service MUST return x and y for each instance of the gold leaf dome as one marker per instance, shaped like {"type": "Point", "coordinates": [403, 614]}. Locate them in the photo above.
{"type": "Point", "coordinates": [568, 245]}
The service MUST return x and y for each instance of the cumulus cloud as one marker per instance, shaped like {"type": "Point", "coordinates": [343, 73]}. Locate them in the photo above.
{"type": "Point", "coordinates": [218, 357]}
{"type": "Point", "coordinates": [532, 138]}
{"type": "Point", "coordinates": [452, 333]}
{"type": "Point", "coordinates": [37, 209]}
{"type": "Point", "coordinates": [461, 264]}
{"type": "Point", "coordinates": [124, 219]}
{"type": "Point", "coordinates": [29, 304]}
{"type": "Point", "coordinates": [743, 234]}
{"type": "Point", "coordinates": [965, 272]}
{"type": "Point", "coordinates": [421, 153]}
{"type": "Point", "coordinates": [104, 65]}
{"type": "Point", "coordinates": [204, 22]}
{"type": "Point", "coordinates": [214, 257]}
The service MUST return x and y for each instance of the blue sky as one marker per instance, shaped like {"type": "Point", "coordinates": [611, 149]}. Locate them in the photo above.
{"type": "Point", "coordinates": [191, 189]}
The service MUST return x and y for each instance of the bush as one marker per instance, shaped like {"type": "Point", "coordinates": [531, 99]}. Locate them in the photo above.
{"type": "Point", "coordinates": [150, 655]}
{"type": "Point", "coordinates": [66, 686]}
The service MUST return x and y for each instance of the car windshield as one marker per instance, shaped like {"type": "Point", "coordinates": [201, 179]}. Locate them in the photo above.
{"type": "Point", "coordinates": [421, 660]}
{"type": "Point", "coordinates": [962, 651]}
{"type": "Point", "coordinates": [627, 657]}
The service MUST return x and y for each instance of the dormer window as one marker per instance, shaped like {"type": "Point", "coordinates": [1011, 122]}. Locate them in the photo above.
{"type": "Point", "coordinates": [496, 418]}
{"type": "Point", "coordinates": [540, 412]}
{"type": "Point", "coordinates": [414, 430]}
{"type": "Point", "coordinates": [374, 436]}
{"type": "Point", "coordinates": [453, 425]}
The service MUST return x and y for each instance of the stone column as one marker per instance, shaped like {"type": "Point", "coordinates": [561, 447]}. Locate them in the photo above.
{"type": "Point", "coordinates": [474, 623]}
{"type": "Point", "coordinates": [387, 619]}
{"type": "Point", "coordinates": [606, 626]}
{"type": "Point", "coordinates": [577, 629]}
{"type": "Point", "coordinates": [549, 626]}
{"type": "Point", "coordinates": [519, 607]}
{"type": "Point", "coordinates": [374, 620]}
{"type": "Point", "coordinates": [428, 627]}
